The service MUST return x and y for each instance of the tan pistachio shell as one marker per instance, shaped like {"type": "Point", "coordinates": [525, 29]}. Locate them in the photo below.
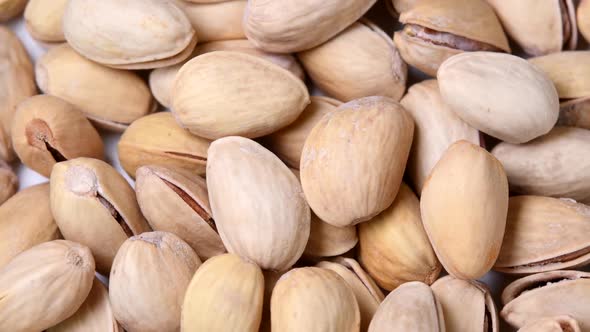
{"type": "Point", "coordinates": [154, 268]}
{"type": "Point", "coordinates": [360, 61]}
{"type": "Point", "coordinates": [44, 19]}
{"type": "Point", "coordinates": [575, 113]}
{"type": "Point", "coordinates": [157, 139]}
{"type": "Point", "coordinates": [10, 9]}
{"type": "Point", "coordinates": [568, 71]}
{"type": "Point", "coordinates": [326, 240]}
{"type": "Point", "coordinates": [401, 6]}
{"type": "Point", "coordinates": [206, 306]}
{"type": "Point", "coordinates": [94, 205]}
{"type": "Point", "coordinates": [8, 182]}
{"type": "Point", "coordinates": [367, 142]}
{"type": "Point", "coordinates": [44, 285]}
{"type": "Point", "coordinates": [215, 21]}
{"type": "Point", "coordinates": [563, 323]}
{"type": "Point", "coordinates": [583, 17]}
{"type": "Point", "coordinates": [176, 201]}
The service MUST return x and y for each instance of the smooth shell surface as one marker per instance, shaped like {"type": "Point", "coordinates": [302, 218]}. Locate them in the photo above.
{"type": "Point", "coordinates": [215, 21]}
{"type": "Point", "coordinates": [569, 71]}
{"type": "Point", "coordinates": [44, 19]}
{"type": "Point", "coordinates": [563, 323]}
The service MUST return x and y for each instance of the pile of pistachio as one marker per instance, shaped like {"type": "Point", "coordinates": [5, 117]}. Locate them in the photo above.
{"type": "Point", "coordinates": [295, 167]}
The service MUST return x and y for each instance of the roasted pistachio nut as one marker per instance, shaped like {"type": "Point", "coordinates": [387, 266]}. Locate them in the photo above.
{"type": "Point", "coordinates": [138, 274]}
{"type": "Point", "coordinates": [552, 165]}
{"type": "Point", "coordinates": [372, 65]}
{"type": "Point", "coordinates": [176, 201]}
{"type": "Point", "coordinates": [43, 19]}
{"type": "Point", "coordinates": [393, 246]}
{"type": "Point", "coordinates": [583, 16]}
{"type": "Point", "coordinates": [111, 98]}
{"type": "Point", "coordinates": [410, 307]}
{"type": "Point", "coordinates": [563, 323]}
{"type": "Point", "coordinates": [547, 294]}
{"type": "Point", "coordinates": [436, 30]}
{"type": "Point", "coordinates": [366, 142]}
{"type": "Point", "coordinates": [467, 305]}
{"type": "Point", "coordinates": [471, 83]}
{"type": "Point", "coordinates": [300, 297]}
{"type": "Point", "coordinates": [326, 240]}
{"type": "Point", "coordinates": [257, 203]}
{"type": "Point", "coordinates": [230, 93]}
{"type": "Point", "coordinates": [215, 20]}
{"type": "Point", "coordinates": [436, 127]}
{"type": "Point", "coordinates": [44, 285]}
{"type": "Point", "coordinates": [283, 26]}
{"type": "Point", "coordinates": [206, 306]}
{"type": "Point", "coordinates": [157, 139]}
{"type": "Point", "coordinates": [8, 182]}
{"type": "Point", "coordinates": [568, 71]}
{"type": "Point", "coordinates": [102, 32]}
{"type": "Point", "coordinates": [464, 205]}
{"type": "Point", "coordinates": [94, 205]}
{"type": "Point", "coordinates": [11, 8]}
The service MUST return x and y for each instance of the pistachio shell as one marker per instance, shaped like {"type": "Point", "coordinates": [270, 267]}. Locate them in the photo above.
{"type": "Point", "coordinates": [44, 19]}
{"type": "Point", "coordinates": [575, 113]}
{"type": "Point", "coordinates": [10, 9]}
{"type": "Point", "coordinates": [257, 203]}
{"type": "Point", "coordinates": [44, 285]}
{"type": "Point", "coordinates": [158, 139]}
{"type": "Point", "coordinates": [371, 65]}
{"type": "Point", "coordinates": [94, 205]}
{"type": "Point", "coordinates": [568, 71]}
{"type": "Point", "coordinates": [562, 323]}
{"type": "Point", "coordinates": [139, 284]}
{"type": "Point", "coordinates": [8, 182]}
{"type": "Point", "coordinates": [215, 20]}
{"type": "Point", "coordinates": [500, 94]}
{"type": "Point", "coordinates": [326, 240]}
{"type": "Point", "coordinates": [284, 26]}
{"type": "Point", "coordinates": [229, 93]}
{"type": "Point", "coordinates": [300, 297]}
{"type": "Point", "coordinates": [464, 205]}
{"type": "Point", "coordinates": [366, 142]}
{"type": "Point", "coordinates": [393, 246]}
{"type": "Point", "coordinates": [206, 306]}
{"type": "Point", "coordinates": [403, 5]}
{"type": "Point", "coordinates": [552, 165]}
{"type": "Point", "coordinates": [583, 16]}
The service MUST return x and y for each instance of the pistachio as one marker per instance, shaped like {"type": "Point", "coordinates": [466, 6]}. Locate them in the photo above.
{"type": "Point", "coordinates": [47, 130]}
{"type": "Point", "coordinates": [176, 201]}
{"type": "Point", "coordinates": [467, 305]}
{"type": "Point", "coordinates": [563, 323]}
{"type": "Point", "coordinates": [111, 98]}
{"type": "Point", "coordinates": [104, 33]}
{"type": "Point", "coordinates": [393, 246]}
{"type": "Point", "coordinates": [436, 30]}
{"type": "Point", "coordinates": [44, 285]}
{"type": "Point", "coordinates": [568, 71]}
{"type": "Point", "coordinates": [575, 113]}
{"type": "Point", "coordinates": [283, 26]}
{"type": "Point", "coordinates": [10, 9]}
{"type": "Point", "coordinates": [238, 94]}
{"type": "Point", "coordinates": [583, 16]}
{"type": "Point", "coordinates": [137, 274]}
{"type": "Point", "coordinates": [94, 205]}
{"type": "Point", "coordinates": [436, 127]}
{"type": "Point", "coordinates": [8, 182]}
{"type": "Point", "coordinates": [44, 19]}
{"type": "Point", "coordinates": [326, 240]}
{"type": "Point", "coordinates": [257, 203]}
{"type": "Point", "coordinates": [371, 66]}
{"type": "Point", "coordinates": [206, 306]}
{"type": "Point", "coordinates": [215, 21]}
{"type": "Point", "coordinates": [299, 299]}
{"type": "Point", "coordinates": [470, 84]}
{"type": "Point", "coordinates": [545, 295]}
{"type": "Point", "coordinates": [410, 307]}
{"type": "Point", "coordinates": [158, 139]}
{"type": "Point", "coordinates": [337, 149]}
{"type": "Point", "coordinates": [552, 165]}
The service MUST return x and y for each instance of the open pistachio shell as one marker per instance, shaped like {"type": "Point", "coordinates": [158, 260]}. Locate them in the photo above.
{"type": "Point", "coordinates": [215, 20]}
{"type": "Point", "coordinates": [8, 182]}
{"type": "Point", "coordinates": [11, 8]}
{"type": "Point", "coordinates": [563, 323]}
{"type": "Point", "coordinates": [569, 71]}
{"type": "Point", "coordinates": [44, 19]}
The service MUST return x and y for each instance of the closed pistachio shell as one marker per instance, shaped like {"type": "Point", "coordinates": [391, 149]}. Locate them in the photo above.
{"type": "Point", "coordinates": [366, 142]}
{"type": "Point", "coordinates": [215, 21]}
{"type": "Point", "coordinates": [148, 280]}
{"type": "Point", "coordinates": [562, 323]}
{"type": "Point", "coordinates": [500, 94]}
{"type": "Point", "coordinates": [575, 113]}
{"type": "Point", "coordinates": [11, 8]}
{"type": "Point", "coordinates": [44, 19]}
{"type": "Point", "coordinates": [568, 71]}
{"type": "Point", "coordinates": [206, 306]}
{"type": "Point", "coordinates": [44, 285]}
{"type": "Point", "coordinates": [583, 16]}
{"type": "Point", "coordinates": [8, 182]}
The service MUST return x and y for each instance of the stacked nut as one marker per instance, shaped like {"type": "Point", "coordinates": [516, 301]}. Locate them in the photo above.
{"type": "Point", "coordinates": [287, 165]}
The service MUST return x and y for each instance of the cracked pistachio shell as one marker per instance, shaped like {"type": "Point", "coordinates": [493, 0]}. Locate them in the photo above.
{"type": "Point", "coordinates": [111, 98]}
{"type": "Point", "coordinates": [410, 307]}
{"type": "Point", "coordinates": [464, 205]}
{"type": "Point", "coordinates": [563, 323]}
{"type": "Point", "coordinates": [231, 93]}
{"type": "Point", "coordinates": [103, 30]}
{"type": "Point", "coordinates": [43, 19]}
{"type": "Point", "coordinates": [436, 127]}
{"type": "Point", "coordinates": [44, 285]}
{"type": "Point", "coordinates": [47, 130]}
{"type": "Point", "coordinates": [176, 201]}
{"type": "Point", "coordinates": [366, 142]}
{"type": "Point", "coordinates": [8, 182]}
{"type": "Point", "coordinates": [215, 21]}
{"type": "Point", "coordinates": [500, 94]}
{"type": "Point", "coordinates": [575, 113]}
{"type": "Point", "coordinates": [547, 294]}
{"type": "Point", "coordinates": [393, 246]}
{"type": "Point", "coordinates": [206, 306]}
{"type": "Point", "coordinates": [284, 26]}
{"type": "Point", "coordinates": [554, 165]}
{"type": "Point", "coordinates": [257, 203]}
{"type": "Point", "coordinates": [157, 139]}
{"type": "Point", "coordinates": [583, 17]}
{"type": "Point", "coordinates": [94, 205]}
{"type": "Point", "coordinates": [569, 71]}
{"type": "Point", "coordinates": [371, 67]}
{"type": "Point", "coordinates": [25, 221]}
{"type": "Point", "coordinates": [300, 297]}
{"type": "Point", "coordinates": [148, 280]}
{"type": "Point", "coordinates": [544, 234]}
{"type": "Point", "coordinates": [11, 8]}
